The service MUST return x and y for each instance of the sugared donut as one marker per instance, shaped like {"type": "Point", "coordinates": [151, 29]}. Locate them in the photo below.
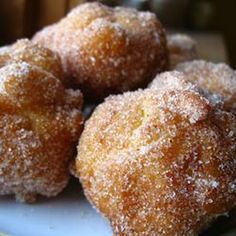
{"type": "Point", "coordinates": [40, 122]}
{"type": "Point", "coordinates": [159, 162]}
{"type": "Point", "coordinates": [218, 78]}
{"type": "Point", "coordinates": [32, 53]}
{"type": "Point", "coordinates": [107, 50]}
{"type": "Point", "coordinates": [181, 48]}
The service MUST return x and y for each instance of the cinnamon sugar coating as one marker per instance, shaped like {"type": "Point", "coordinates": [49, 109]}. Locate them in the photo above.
{"type": "Point", "coordinates": [32, 53]}
{"type": "Point", "coordinates": [107, 50]}
{"type": "Point", "coordinates": [217, 78]}
{"type": "Point", "coordinates": [40, 122]}
{"type": "Point", "coordinates": [159, 162]}
{"type": "Point", "coordinates": [181, 48]}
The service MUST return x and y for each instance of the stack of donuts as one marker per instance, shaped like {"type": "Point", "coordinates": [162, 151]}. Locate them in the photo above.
{"type": "Point", "coordinates": [157, 155]}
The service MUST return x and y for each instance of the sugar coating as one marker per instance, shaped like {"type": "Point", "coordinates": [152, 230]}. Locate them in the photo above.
{"type": "Point", "coordinates": [4, 55]}
{"type": "Point", "coordinates": [217, 78]}
{"type": "Point", "coordinates": [107, 50]}
{"type": "Point", "coordinates": [171, 80]}
{"type": "Point", "coordinates": [181, 48]}
{"type": "Point", "coordinates": [32, 53]}
{"type": "Point", "coordinates": [176, 80]}
{"type": "Point", "coordinates": [4, 49]}
{"type": "Point", "coordinates": [159, 161]}
{"type": "Point", "coordinates": [40, 122]}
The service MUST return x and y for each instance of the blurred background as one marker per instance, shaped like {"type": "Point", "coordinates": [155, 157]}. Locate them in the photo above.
{"type": "Point", "coordinates": [210, 22]}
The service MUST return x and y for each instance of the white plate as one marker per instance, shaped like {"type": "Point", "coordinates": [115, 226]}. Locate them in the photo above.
{"type": "Point", "coordinates": [69, 214]}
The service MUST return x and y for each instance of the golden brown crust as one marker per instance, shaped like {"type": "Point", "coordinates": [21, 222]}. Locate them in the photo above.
{"type": "Point", "coordinates": [217, 78]}
{"type": "Point", "coordinates": [39, 123]}
{"type": "Point", "coordinates": [107, 50]}
{"type": "Point", "coordinates": [181, 48]}
{"type": "Point", "coordinates": [159, 162]}
{"type": "Point", "coordinates": [25, 50]}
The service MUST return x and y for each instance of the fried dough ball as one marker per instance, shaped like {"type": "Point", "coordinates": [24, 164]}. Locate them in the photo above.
{"type": "Point", "coordinates": [40, 122]}
{"type": "Point", "coordinates": [32, 53]}
{"type": "Point", "coordinates": [159, 162]}
{"type": "Point", "coordinates": [107, 50]}
{"type": "Point", "coordinates": [181, 48]}
{"type": "Point", "coordinates": [217, 78]}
